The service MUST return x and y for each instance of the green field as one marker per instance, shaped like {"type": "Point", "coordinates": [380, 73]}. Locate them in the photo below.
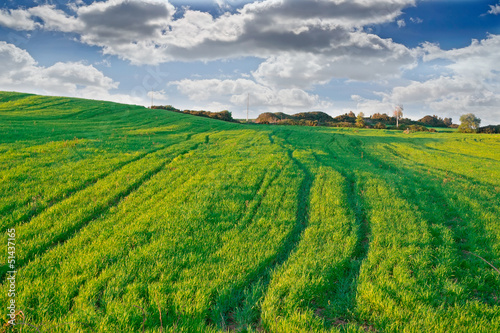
{"type": "Point", "coordinates": [135, 220]}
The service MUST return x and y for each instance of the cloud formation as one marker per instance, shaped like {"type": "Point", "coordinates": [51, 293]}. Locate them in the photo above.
{"type": "Point", "coordinates": [302, 43]}
{"type": "Point", "coordinates": [18, 19]}
{"type": "Point", "coordinates": [145, 32]}
{"type": "Point", "coordinates": [472, 84]}
{"type": "Point", "coordinates": [19, 71]}
{"type": "Point", "coordinates": [237, 92]}
{"type": "Point", "coordinates": [495, 10]}
{"type": "Point", "coordinates": [360, 56]}
{"type": "Point", "coordinates": [299, 46]}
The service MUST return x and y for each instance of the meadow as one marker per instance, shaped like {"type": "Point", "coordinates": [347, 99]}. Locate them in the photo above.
{"type": "Point", "coordinates": [129, 219]}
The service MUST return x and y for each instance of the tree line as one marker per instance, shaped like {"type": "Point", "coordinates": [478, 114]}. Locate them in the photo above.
{"type": "Point", "coordinates": [221, 115]}
{"type": "Point", "coordinates": [469, 123]}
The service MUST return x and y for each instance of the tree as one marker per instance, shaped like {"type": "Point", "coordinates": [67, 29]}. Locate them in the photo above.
{"type": "Point", "coordinates": [448, 122]}
{"type": "Point", "coordinates": [360, 122]}
{"type": "Point", "coordinates": [398, 113]}
{"type": "Point", "coordinates": [469, 123]}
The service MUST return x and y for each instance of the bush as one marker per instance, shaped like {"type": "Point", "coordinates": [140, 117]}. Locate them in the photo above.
{"type": "Point", "coordinates": [165, 107]}
{"type": "Point", "coordinates": [222, 115]}
{"type": "Point", "coordinates": [289, 122]}
{"type": "Point", "coordinates": [318, 116]}
{"type": "Point", "coordinates": [267, 118]}
{"type": "Point", "coordinates": [341, 124]}
{"type": "Point", "coordinates": [433, 121]}
{"type": "Point", "coordinates": [415, 128]}
{"type": "Point", "coordinates": [379, 125]}
{"type": "Point", "coordinates": [491, 129]}
{"type": "Point", "coordinates": [345, 118]}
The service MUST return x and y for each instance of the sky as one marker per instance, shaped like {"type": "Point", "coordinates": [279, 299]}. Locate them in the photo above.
{"type": "Point", "coordinates": [433, 57]}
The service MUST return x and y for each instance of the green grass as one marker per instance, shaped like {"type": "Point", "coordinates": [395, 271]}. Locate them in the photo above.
{"type": "Point", "coordinates": [129, 219]}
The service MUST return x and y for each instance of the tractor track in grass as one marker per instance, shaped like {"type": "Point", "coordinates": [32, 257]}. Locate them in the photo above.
{"type": "Point", "coordinates": [459, 224]}
{"type": "Point", "coordinates": [261, 277]}
{"type": "Point", "coordinates": [247, 216]}
{"type": "Point", "coordinates": [253, 207]}
{"type": "Point", "coordinates": [119, 259]}
{"type": "Point", "coordinates": [452, 153]}
{"type": "Point", "coordinates": [438, 170]}
{"type": "Point", "coordinates": [363, 234]}
{"type": "Point", "coordinates": [263, 184]}
{"type": "Point", "coordinates": [456, 222]}
{"type": "Point", "coordinates": [93, 215]}
{"type": "Point", "coordinates": [251, 210]}
{"type": "Point", "coordinates": [26, 218]}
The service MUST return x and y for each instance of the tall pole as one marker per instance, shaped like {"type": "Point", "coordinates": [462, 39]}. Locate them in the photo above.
{"type": "Point", "coordinates": [248, 104]}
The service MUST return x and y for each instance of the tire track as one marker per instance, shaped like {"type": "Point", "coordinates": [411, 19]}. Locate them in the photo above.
{"type": "Point", "coordinates": [27, 217]}
{"type": "Point", "coordinates": [468, 234]}
{"type": "Point", "coordinates": [259, 280]}
{"type": "Point", "coordinates": [438, 170]}
{"type": "Point", "coordinates": [91, 215]}
{"type": "Point", "coordinates": [347, 290]}
{"type": "Point", "coordinates": [244, 222]}
{"type": "Point", "coordinates": [260, 192]}
{"type": "Point", "coordinates": [104, 272]}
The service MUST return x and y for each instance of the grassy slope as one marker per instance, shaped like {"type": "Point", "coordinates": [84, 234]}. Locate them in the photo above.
{"type": "Point", "coordinates": [217, 226]}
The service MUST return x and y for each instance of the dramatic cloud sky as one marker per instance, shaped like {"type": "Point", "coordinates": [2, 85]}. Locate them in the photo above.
{"type": "Point", "coordinates": [432, 56]}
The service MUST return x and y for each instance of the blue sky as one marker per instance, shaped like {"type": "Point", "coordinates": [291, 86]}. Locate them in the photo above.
{"type": "Point", "coordinates": [432, 57]}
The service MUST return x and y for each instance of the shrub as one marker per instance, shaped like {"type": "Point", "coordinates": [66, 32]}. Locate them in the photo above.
{"type": "Point", "coordinates": [342, 124]}
{"type": "Point", "coordinates": [289, 122]}
{"type": "Point", "coordinates": [318, 116]}
{"type": "Point", "coordinates": [267, 118]}
{"type": "Point", "coordinates": [433, 121]}
{"type": "Point", "coordinates": [415, 128]}
{"type": "Point", "coordinates": [491, 129]}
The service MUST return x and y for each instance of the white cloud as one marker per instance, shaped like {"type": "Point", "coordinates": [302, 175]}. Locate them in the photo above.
{"type": "Point", "coordinates": [416, 20]}
{"type": "Point", "coordinates": [17, 19]}
{"type": "Point", "coordinates": [55, 19]}
{"type": "Point", "coordinates": [360, 56]}
{"type": "Point", "coordinates": [371, 106]}
{"type": "Point", "coordinates": [479, 60]}
{"type": "Point", "coordinates": [237, 91]}
{"type": "Point", "coordinates": [401, 23]}
{"type": "Point", "coordinates": [19, 71]}
{"type": "Point", "coordinates": [14, 59]}
{"type": "Point", "coordinates": [144, 32]}
{"type": "Point", "coordinates": [302, 43]}
{"type": "Point", "coordinates": [471, 86]}
{"type": "Point", "coordinates": [158, 95]}
{"type": "Point", "coordinates": [77, 74]}
{"type": "Point", "coordinates": [495, 10]}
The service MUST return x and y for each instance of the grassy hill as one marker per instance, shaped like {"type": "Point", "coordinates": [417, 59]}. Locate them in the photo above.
{"type": "Point", "coordinates": [128, 219]}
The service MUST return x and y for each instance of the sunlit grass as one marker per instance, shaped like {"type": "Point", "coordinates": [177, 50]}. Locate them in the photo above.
{"type": "Point", "coordinates": [123, 214]}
